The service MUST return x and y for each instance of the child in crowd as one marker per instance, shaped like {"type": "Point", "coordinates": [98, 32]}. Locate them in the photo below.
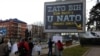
{"type": "Point", "coordinates": [37, 49]}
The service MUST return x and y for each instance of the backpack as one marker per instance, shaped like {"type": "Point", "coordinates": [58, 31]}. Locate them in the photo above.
{"type": "Point", "coordinates": [31, 45]}
{"type": "Point", "coordinates": [60, 47]}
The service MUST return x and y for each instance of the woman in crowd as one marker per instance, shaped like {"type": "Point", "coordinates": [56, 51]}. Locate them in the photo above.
{"type": "Point", "coordinates": [60, 48]}
{"type": "Point", "coordinates": [37, 50]}
{"type": "Point", "coordinates": [14, 49]}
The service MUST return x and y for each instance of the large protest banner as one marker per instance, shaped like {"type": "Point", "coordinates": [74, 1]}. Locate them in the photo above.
{"type": "Point", "coordinates": [64, 16]}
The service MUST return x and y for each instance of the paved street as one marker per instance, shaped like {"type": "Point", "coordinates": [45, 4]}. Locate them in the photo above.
{"type": "Point", "coordinates": [93, 51]}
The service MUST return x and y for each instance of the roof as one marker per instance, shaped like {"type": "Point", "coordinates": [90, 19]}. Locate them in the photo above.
{"type": "Point", "coordinates": [14, 20]}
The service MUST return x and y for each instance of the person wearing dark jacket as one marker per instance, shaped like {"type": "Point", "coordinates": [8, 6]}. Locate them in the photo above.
{"type": "Point", "coordinates": [31, 45]}
{"type": "Point", "coordinates": [50, 44]}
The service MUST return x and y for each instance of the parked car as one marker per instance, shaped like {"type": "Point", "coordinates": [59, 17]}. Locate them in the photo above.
{"type": "Point", "coordinates": [90, 38]}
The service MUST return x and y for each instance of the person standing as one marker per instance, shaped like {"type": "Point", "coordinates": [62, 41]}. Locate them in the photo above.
{"type": "Point", "coordinates": [31, 45]}
{"type": "Point", "coordinates": [50, 44]}
{"type": "Point", "coordinates": [9, 46]}
{"type": "Point", "coordinates": [24, 48]}
{"type": "Point", "coordinates": [55, 39]}
{"type": "Point", "coordinates": [14, 49]}
{"type": "Point", "coordinates": [4, 48]}
{"type": "Point", "coordinates": [38, 49]}
{"type": "Point", "coordinates": [60, 48]}
{"type": "Point", "coordinates": [34, 51]}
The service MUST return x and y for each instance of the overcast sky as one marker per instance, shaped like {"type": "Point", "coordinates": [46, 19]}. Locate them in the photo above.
{"type": "Point", "coordinates": [29, 11]}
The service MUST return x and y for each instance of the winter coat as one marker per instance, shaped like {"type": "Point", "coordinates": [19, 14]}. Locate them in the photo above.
{"type": "Point", "coordinates": [14, 48]}
{"type": "Point", "coordinates": [59, 46]}
{"type": "Point", "coordinates": [4, 49]}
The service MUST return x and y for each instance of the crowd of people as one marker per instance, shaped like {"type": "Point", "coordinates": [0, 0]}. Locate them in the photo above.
{"type": "Point", "coordinates": [25, 47]}
{"type": "Point", "coordinates": [22, 47]}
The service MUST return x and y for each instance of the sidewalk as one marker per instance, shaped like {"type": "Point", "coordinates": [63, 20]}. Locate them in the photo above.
{"type": "Point", "coordinates": [93, 51]}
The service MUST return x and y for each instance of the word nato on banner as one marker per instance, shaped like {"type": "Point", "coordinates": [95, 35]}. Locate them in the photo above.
{"type": "Point", "coordinates": [62, 17]}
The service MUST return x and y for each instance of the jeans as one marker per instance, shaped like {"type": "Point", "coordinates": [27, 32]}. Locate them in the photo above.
{"type": "Point", "coordinates": [59, 53]}
{"type": "Point", "coordinates": [50, 52]}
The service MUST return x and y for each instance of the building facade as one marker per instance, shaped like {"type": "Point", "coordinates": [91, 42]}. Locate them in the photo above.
{"type": "Point", "coordinates": [15, 28]}
{"type": "Point", "coordinates": [38, 32]}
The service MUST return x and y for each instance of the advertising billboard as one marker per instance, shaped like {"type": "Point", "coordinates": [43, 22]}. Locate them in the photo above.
{"type": "Point", "coordinates": [64, 17]}
{"type": "Point", "coordinates": [3, 31]}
